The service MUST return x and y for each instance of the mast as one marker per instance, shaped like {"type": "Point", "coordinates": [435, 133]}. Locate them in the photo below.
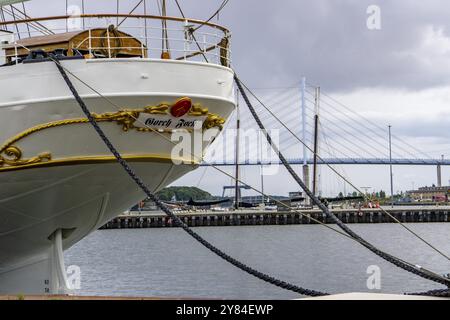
{"type": "Point", "coordinates": [165, 36]}
{"type": "Point", "coordinates": [237, 191]}
{"type": "Point", "coordinates": [390, 166]}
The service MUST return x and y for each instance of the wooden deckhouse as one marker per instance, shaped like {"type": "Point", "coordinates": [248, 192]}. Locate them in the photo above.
{"type": "Point", "coordinates": [100, 42]}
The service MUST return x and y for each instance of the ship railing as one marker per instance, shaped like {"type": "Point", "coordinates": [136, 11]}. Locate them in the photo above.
{"type": "Point", "coordinates": [159, 37]}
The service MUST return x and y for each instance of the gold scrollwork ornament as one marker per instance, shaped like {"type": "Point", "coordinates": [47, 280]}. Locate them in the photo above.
{"type": "Point", "coordinates": [13, 157]}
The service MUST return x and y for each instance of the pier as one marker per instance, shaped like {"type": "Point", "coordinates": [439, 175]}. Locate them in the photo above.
{"type": "Point", "coordinates": [432, 214]}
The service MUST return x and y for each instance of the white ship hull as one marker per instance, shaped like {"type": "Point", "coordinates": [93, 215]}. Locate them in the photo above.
{"type": "Point", "coordinates": [56, 175]}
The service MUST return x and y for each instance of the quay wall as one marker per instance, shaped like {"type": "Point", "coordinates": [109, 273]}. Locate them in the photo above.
{"type": "Point", "coordinates": [258, 218]}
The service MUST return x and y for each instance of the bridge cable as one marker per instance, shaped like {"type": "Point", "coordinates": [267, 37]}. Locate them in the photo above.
{"type": "Point", "coordinates": [365, 129]}
{"type": "Point", "coordinates": [192, 33]}
{"type": "Point", "coordinates": [392, 259]}
{"type": "Point", "coordinates": [344, 178]}
{"type": "Point", "coordinates": [373, 123]}
{"type": "Point", "coordinates": [443, 293]}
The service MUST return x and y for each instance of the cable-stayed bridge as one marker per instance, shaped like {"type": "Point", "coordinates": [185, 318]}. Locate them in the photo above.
{"type": "Point", "coordinates": [300, 115]}
{"type": "Point", "coordinates": [336, 161]}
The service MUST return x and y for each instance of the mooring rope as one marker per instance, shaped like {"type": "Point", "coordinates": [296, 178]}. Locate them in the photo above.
{"type": "Point", "coordinates": [213, 166]}
{"type": "Point", "coordinates": [168, 211]}
{"type": "Point", "coordinates": [415, 269]}
{"type": "Point", "coordinates": [429, 275]}
{"type": "Point", "coordinates": [444, 293]}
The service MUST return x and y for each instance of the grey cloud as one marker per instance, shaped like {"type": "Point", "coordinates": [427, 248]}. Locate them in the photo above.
{"type": "Point", "coordinates": [279, 41]}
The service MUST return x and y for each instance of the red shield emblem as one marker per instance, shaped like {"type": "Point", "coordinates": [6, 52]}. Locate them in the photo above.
{"type": "Point", "coordinates": [181, 107]}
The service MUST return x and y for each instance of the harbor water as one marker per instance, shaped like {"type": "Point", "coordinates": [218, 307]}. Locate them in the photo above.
{"type": "Point", "coordinates": [168, 263]}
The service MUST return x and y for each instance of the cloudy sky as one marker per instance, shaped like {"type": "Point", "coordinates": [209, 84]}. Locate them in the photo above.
{"type": "Point", "coordinates": [398, 74]}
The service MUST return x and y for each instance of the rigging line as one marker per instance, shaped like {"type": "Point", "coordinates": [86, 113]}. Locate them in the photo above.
{"type": "Point", "coordinates": [357, 189]}
{"type": "Point", "coordinates": [283, 113]}
{"type": "Point", "coordinates": [2, 15]}
{"type": "Point", "coordinates": [406, 266]}
{"type": "Point", "coordinates": [347, 180]}
{"type": "Point", "coordinates": [353, 154]}
{"type": "Point", "coordinates": [333, 152]}
{"type": "Point", "coordinates": [281, 110]}
{"type": "Point", "coordinates": [426, 156]}
{"type": "Point", "coordinates": [362, 133]}
{"type": "Point", "coordinates": [201, 177]}
{"type": "Point", "coordinates": [164, 27]}
{"type": "Point", "coordinates": [342, 136]}
{"type": "Point", "coordinates": [355, 120]}
{"type": "Point", "coordinates": [287, 98]}
{"type": "Point", "coordinates": [344, 172]}
{"type": "Point", "coordinates": [159, 7]}
{"type": "Point", "coordinates": [43, 27]}
{"type": "Point", "coordinates": [374, 124]}
{"type": "Point", "coordinates": [14, 18]}
{"type": "Point", "coordinates": [213, 166]}
{"type": "Point", "coordinates": [390, 258]}
{"type": "Point", "coordinates": [165, 31]}
{"type": "Point", "coordinates": [295, 86]}
{"type": "Point", "coordinates": [168, 211]}
{"type": "Point", "coordinates": [359, 151]}
{"type": "Point", "coordinates": [442, 279]}
{"type": "Point", "coordinates": [222, 6]}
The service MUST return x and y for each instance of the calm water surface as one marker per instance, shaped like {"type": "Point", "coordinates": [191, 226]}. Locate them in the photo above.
{"type": "Point", "coordinates": [167, 262]}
